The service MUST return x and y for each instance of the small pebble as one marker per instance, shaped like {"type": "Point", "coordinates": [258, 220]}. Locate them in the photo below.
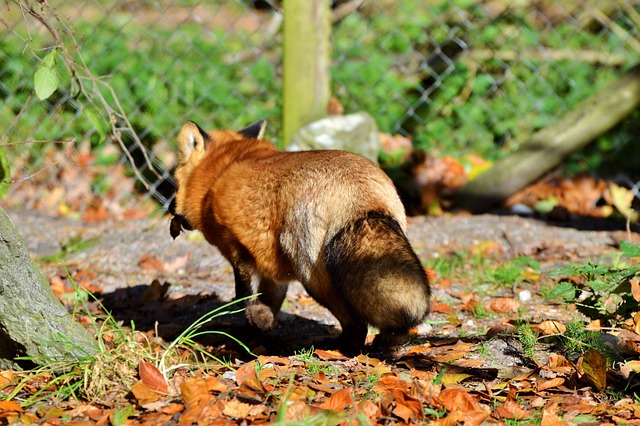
{"type": "Point", "coordinates": [524, 295]}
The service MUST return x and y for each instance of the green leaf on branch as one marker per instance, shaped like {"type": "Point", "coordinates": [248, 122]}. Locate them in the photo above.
{"type": "Point", "coordinates": [629, 250]}
{"type": "Point", "coordinates": [46, 79]}
{"type": "Point", "coordinates": [46, 82]}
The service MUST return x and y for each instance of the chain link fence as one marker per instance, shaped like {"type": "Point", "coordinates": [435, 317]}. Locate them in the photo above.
{"type": "Point", "coordinates": [457, 76]}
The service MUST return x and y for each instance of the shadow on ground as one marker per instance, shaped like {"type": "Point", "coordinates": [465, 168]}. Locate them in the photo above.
{"type": "Point", "coordinates": [149, 310]}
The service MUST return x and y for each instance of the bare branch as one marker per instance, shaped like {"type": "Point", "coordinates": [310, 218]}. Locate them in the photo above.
{"type": "Point", "coordinates": [89, 86]}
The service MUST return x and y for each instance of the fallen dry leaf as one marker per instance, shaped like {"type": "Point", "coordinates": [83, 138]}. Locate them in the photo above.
{"type": "Point", "coordinates": [10, 406]}
{"type": "Point", "coordinates": [5, 378]}
{"type": "Point", "coordinates": [149, 262]}
{"type": "Point", "coordinates": [442, 308]}
{"type": "Point", "coordinates": [330, 355]}
{"type": "Point", "coordinates": [505, 305]}
{"type": "Point", "coordinates": [245, 372]}
{"type": "Point", "coordinates": [236, 409]}
{"type": "Point", "coordinates": [432, 274]}
{"type": "Point", "coordinates": [635, 289]}
{"type": "Point", "coordinates": [215, 384]}
{"type": "Point", "coordinates": [550, 327]}
{"type": "Point", "coordinates": [339, 400]}
{"type": "Point", "coordinates": [549, 416]}
{"type": "Point", "coordinates": [511, 410]}
{"type": "Point", "coordinates": [143, 394]}
{"type": "Point", "coordinates": [550, 384]}
{"type": "Point", "coordinates": [194, 391]}
{"type": "Point", "coordinates": [458, 399]}
{"type": "Point", "coordinates": [594, 366]}
{"type": "Point", "coordinates": [152, 377]}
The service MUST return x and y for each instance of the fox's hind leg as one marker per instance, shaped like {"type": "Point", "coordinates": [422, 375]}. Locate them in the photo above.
{"type": "Point", "coordinates": [247, 281]}
{"type": "Point", "coordinates": [272, 294]}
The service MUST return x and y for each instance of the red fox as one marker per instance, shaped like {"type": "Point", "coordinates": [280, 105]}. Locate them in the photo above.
{"type": "Point", "coordinates": [329, 219]}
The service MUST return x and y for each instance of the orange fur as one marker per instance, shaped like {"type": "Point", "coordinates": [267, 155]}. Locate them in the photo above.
{"type": "Point", "coordinates": [284, 216]}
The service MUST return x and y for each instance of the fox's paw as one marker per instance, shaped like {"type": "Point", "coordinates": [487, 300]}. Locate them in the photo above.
{"type": "Point", "coordinates": [260, 316]}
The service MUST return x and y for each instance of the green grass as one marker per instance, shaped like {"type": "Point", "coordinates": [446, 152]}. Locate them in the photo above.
{"type": "Point", "coordinates": [75, 244]}
{"type": "Point", "coordinates": [314, 364]}
{"type": "Point", "coordinates": [505, 101]}
{"type": "Point", "coordinates": [113, 368]}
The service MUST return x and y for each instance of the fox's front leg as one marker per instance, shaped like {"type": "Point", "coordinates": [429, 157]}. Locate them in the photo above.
{"type": "Point", "coordinates": [247, 280]}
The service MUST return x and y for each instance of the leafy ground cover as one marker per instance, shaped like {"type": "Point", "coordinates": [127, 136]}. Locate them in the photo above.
{"type": "Point", "coordinates": [508, 340]}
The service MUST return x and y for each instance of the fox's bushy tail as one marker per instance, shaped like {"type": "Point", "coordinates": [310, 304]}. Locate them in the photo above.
{"type": "Point", "coordinates": [370, 262]}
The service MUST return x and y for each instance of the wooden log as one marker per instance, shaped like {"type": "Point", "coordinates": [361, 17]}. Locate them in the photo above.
{"type": "Point", "coordinates": [548, 147]}
{"type": "Point", "coordinates": [307, 59]}
{"type": "Point", "coordinates": [33, 323]}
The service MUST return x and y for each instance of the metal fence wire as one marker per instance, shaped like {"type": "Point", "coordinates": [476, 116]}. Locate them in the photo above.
{"type": "Point", "coordinates": [457, 76]}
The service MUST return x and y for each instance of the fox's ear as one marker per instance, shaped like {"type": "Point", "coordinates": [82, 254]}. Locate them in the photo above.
{"type": "Point", "coordinates": [255, 130]}
{"type": "Point", "coordinates": [191, 139]}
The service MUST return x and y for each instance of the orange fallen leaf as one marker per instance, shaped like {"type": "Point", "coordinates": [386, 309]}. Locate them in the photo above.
{"type": "Point", "coordinates": [172, 409]}
{"type": "Point", "coordinates": [10, 406]}
{"type": "Point", "coordinates": [549, 417]}
{"type": "Point", "coordinates": [194, 391]}
{"type": "Point", "coordinates": [633, 365]}
{"type": "Point", "coordinates": [550, 327]}
{"type": "Point", "coordinates": [511, 410]}
{"type": "Point", "coordinates": [595, 325]}
{"type": "Point", "coordinates": [635, 289]}
{"type": "Point", "coordinates": [339, 400]}
{"type": "Point", "coordinates": [442, 308]}
{"type": "Point", "coordinates": [369, 409]}
{"type": "Point", "coordinates": [215, 384]}
{"type": "Point", "coordinates": [594, 366]}
{"type": "Point", "coordinates": [152, 377]}
{"type": "Point", "coordinates": [366, 360]}
{"type": "Point", "coordinates": [457, 399]}
{"type": "Point", "coordinates": [432, 274]}
{"type": "Point", "coordinates": [236, 409]}
{"type": "Point", "coordinates": [5, 378]}
{"type": "Point", "coordinates": [505, 305]}
{"type": "Point", "coordinates": [149, 262]}
{"type": "Point", "coordinates": [143, 394]}
{"type": "Point", "coordinates": [329, 355]}
{"type": "Point", "coordinates": [245, 372]}
{"type": "Point", "coordinates": [549, 384]}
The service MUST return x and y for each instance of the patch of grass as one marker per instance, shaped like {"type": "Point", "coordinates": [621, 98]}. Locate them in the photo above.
{"type": "Point", "coordinates": [113, 369]}
{"type": "Point", "coordinates": [577, 340]}
{"type": "Point", "coordinates": [512, 271]}
{"type": "Point", "coordinates": [535, 419]}
{"type": "Point", "coordinates": [75, 244]}
{"type": "Point", "coordinates": [483, 350]}
{"type": "Point", "coordinates": [528, 339]}
{"type": "Point", "coordinates": [480, 312]}
{"type": "Point", "coordinates": [314, 364]}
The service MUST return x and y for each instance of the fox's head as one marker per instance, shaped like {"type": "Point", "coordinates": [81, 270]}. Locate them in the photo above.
{"type": "Point", "coordinates": [193, 144]}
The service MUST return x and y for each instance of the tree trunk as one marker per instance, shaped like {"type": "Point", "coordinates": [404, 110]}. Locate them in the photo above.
{"type": "Point", "coordinates": [547, 148]}
{"type": "Point", "coordinates": [33, 323]}
{"type": "Point", "coordinates": [307, 59]}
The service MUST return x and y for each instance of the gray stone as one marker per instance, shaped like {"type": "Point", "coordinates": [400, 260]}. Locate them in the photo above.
{"type": "Point", "coordinates": [356, 133]}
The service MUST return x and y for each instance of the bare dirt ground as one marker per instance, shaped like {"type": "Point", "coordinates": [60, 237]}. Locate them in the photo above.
{"type": "Point", "coordinates": [127, 256]}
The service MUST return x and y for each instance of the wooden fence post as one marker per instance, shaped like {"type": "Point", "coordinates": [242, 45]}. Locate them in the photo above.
{"type": "Point", "coordinates": [307, 59]}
